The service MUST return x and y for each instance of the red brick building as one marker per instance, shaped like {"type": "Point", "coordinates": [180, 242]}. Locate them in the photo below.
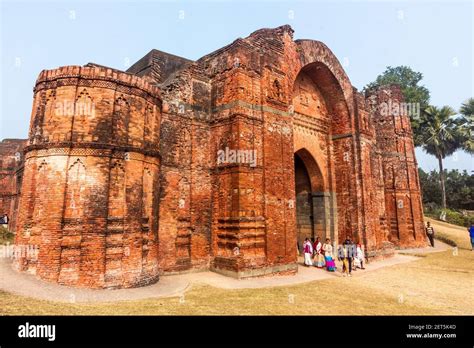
{"type": "Point", "coordinates": [223, 163]}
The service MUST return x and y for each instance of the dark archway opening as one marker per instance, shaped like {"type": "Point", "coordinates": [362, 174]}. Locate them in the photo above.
{"type": "Point", "coordinates": [304, 203]}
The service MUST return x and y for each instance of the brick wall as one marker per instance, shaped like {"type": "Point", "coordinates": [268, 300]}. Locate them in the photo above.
{"type": "Point", "coordinates": [395, 150]}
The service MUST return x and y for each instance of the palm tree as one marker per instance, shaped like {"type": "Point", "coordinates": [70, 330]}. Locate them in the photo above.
{"type": "Point", "coordinates": [466, 125]}
{"type": "Point", "coordinates": [439, 135]}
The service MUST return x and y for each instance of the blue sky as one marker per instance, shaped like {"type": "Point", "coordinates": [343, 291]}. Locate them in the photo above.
{"type": "Point", "coordinates": [433, 37]}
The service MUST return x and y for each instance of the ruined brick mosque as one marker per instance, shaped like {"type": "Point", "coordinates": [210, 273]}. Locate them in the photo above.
{"type": "Point", "coordinates": [117, 194]}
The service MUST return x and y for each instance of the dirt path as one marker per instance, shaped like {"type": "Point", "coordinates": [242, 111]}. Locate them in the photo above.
{"type": "Point", "coordinates": [174, 285]}
{"type": "Point", "coordinates": [28, 285]}
{"type": "Point", "coordinates": [438, 247]}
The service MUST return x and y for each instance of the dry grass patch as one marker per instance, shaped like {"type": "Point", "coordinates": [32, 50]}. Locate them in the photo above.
{"type": "Point", "coordinates": [322, 298]}
{"type": "Point", "coordinates": [436, 284]}
{"type": "Point", "coordinates": [432, 285]}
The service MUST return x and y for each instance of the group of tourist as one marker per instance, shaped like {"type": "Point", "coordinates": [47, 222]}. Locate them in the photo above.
{"type": "Point", "coordinates": [350, 254]}
{"type": "Point", "coordinates": [352, 257]}
{"type": "Point", "coordinates": [322, 256]}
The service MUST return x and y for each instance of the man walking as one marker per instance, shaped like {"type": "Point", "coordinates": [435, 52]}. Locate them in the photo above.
{"type": "Point", "coordinates": [430, 233]}
{"type": "Point", "coordinates": [345, 255]}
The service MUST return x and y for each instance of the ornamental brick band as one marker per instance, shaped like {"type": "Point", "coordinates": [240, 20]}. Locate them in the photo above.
{"type": "Point", "coordinates": [122, 179]}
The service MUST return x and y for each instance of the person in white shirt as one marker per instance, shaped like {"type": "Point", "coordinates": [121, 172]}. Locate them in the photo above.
{"type": "Point", "coordinates": [308, 252]}
{"type": "Point", "coordinates": [359, 258]}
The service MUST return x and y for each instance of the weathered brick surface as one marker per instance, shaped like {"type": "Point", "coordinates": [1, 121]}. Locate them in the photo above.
{"type": "Point", "coordinates": [91, 177]}
{"type": "Point", "coordinates": [11, 173]}
{"type": "Point", "coordinates": [395, 151]}
{"type": "Point", "coordinates": [141, 188]}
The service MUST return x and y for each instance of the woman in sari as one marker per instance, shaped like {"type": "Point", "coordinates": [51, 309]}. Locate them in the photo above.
{"type": "Point", "coordinates": [359, 257]}
{"type": "Point", "coordinates": [327, 249]}
{"type": "Point", "coordinates": [308, 253]}
{"type": "Point", "coordinates": [318, 254]}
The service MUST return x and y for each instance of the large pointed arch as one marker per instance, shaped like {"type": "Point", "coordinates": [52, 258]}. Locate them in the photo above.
{"type": "Point", "coordinates": [333, 80]}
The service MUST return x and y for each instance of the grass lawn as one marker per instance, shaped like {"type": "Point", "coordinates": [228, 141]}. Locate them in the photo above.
{"type": "Point", "coordinates": [439, 283]}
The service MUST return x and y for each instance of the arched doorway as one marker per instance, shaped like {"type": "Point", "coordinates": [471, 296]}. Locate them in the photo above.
{"type": "Point", "coordinates": [322, 128]}
{"type": "Point", "coordinates": [311, 200]}
{"type": "Point", "coordinates": [304, 202]}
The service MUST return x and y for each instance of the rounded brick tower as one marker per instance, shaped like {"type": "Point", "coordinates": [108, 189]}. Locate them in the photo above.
{"type": "Point", "coordinates": [89, 201]}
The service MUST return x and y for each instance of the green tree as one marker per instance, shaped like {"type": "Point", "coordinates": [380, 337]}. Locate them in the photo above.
{"type": "Point", "coordinates": [459, 189]}
{"type": "Point", "coordinates": [440, 137]}
{"type": "Point", "coordinates": [466, 125]}
{"type": "Point", "coordinates": [413, 92]}
{"type": "Point", "coordinates": [430, 188]}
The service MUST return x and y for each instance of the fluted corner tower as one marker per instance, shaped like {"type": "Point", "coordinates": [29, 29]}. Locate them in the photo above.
{"type": "Point", "coordinates": [396, 151]}
{"type": "Point", "coordinates": [91, 179]}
